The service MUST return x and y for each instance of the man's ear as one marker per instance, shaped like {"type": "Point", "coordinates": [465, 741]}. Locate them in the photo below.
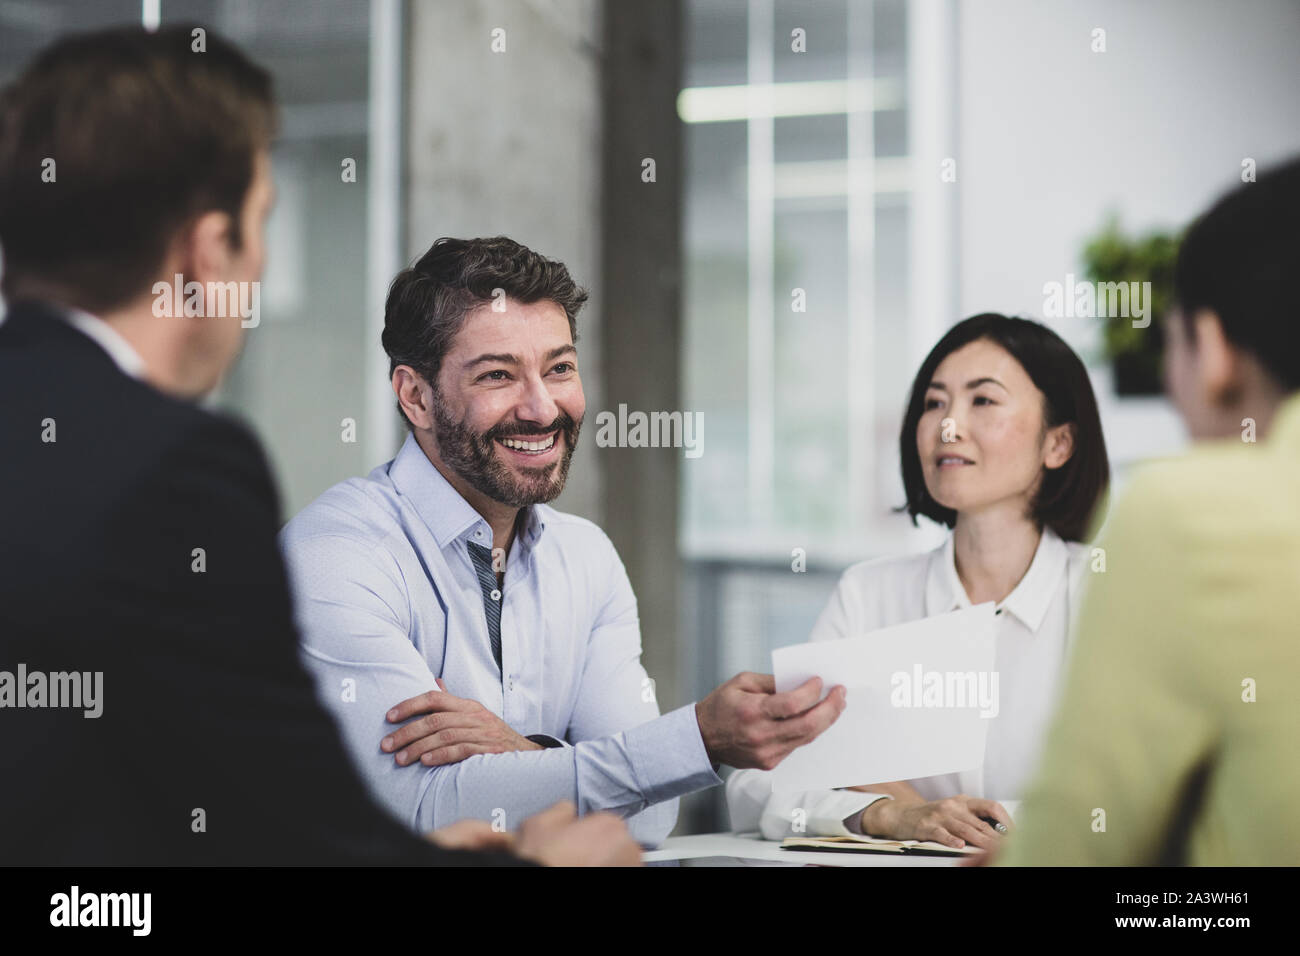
{"type": "Point", "coordinates": [1060, 445]}
{"type": "Point", "coordinates": [205, 247]}
{"type": "Point", "coordinates": [1217, 362]}
{"type": "Point", "coordinates": [414, 395]}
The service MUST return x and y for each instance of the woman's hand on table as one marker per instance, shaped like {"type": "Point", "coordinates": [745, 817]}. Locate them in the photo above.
{"type": "Point", "coordinates": [952, 821]}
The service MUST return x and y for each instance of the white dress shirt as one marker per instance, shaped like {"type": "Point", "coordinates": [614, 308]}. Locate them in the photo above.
{"type": "Point", "coordinates": [109, 339]}
{"type": "Point", "coordinates": [1032, 629]}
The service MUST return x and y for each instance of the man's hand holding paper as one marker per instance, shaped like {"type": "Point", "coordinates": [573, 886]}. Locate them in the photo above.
{"type": "Point", "coordinates": [919, 697]}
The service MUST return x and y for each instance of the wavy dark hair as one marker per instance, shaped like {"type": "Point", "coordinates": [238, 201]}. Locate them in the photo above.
{"type": "Point", "coordinates": [428, 302]}
{"type": "Point", "coordinates": [1068, 497]}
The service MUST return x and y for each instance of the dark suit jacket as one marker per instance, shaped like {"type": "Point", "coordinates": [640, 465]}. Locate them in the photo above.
{"type": "Point", "coordinates": [211, 748]}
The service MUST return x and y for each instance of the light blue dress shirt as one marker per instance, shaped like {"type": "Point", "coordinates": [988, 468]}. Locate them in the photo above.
{"type": "Point", "coordinates": [387, 598]}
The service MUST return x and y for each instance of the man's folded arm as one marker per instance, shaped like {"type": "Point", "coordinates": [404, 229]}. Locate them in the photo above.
{"type": "Point", "coordinates": [354, 622]}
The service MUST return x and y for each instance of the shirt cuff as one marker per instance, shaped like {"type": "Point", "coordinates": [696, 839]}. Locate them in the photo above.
{"type": "Point", "coordinates": [856, 807]}
{"type": "Point", "coordinates": [668, 756]}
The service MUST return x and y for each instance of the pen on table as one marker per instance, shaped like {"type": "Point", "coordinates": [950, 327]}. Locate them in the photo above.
{"type": "Point", "coordinates": [1000, 827]}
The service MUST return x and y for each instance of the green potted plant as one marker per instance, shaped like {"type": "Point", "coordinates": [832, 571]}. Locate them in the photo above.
{"type": "Point", "coordinates": [1112, 256]}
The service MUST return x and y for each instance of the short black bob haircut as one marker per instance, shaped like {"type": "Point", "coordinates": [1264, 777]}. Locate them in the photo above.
{"type": "Point", "coordinates": [1068, 498]}
{"type": "Point", "coordinates": [1240, 260]}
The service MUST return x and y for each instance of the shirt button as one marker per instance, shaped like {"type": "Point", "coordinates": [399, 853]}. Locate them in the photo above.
{"type": "Point", "coordinates": [510, 684]}
{"type": "Point", "coordinates": [496, 595]}
{"type": "Point", "coordinates": [478, 534]}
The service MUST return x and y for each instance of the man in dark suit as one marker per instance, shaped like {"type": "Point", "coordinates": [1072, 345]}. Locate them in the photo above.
{"type": "Point", "coordinates": [152, 706]}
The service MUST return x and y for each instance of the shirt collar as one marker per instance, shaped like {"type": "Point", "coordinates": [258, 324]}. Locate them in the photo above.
{"type": "Point", "coordinates": [109, 339]}
{"type": "Point", "coordinates": [1029, 600]}
{"type": "Point", "coordinates": [449, 516]}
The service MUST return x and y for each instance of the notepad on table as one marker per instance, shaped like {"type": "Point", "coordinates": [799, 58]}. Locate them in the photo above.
{"type": "Point", "coordinates": [867, 844]}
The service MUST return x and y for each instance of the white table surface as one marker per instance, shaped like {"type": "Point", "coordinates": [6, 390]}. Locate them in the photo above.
{"type": "Point", "coordinates": [749, 849]}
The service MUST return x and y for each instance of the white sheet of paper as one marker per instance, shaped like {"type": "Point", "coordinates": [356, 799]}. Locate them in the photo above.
{"type": "Point", "coordinates": [876, 739]}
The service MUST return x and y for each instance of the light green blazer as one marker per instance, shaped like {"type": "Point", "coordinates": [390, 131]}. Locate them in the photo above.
{"type": "Point", "coordinates": [1178, 735]}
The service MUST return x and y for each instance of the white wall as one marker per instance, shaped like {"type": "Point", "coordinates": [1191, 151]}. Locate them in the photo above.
{"type": "Point", "coordinates": [1052, 136]}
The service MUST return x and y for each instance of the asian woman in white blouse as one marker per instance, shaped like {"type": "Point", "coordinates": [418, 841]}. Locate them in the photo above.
{"type": "Point", "coordinates": [1002, 443]}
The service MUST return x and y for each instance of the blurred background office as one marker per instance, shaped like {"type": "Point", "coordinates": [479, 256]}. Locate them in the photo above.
{"type": "Point", "coordinates": [779, 206]}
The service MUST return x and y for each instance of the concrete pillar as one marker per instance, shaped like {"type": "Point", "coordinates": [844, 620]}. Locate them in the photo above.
{"type": "Point", "coordinates": [507, 143]}
{"type": "Point", "coordinates": [641, 240]}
